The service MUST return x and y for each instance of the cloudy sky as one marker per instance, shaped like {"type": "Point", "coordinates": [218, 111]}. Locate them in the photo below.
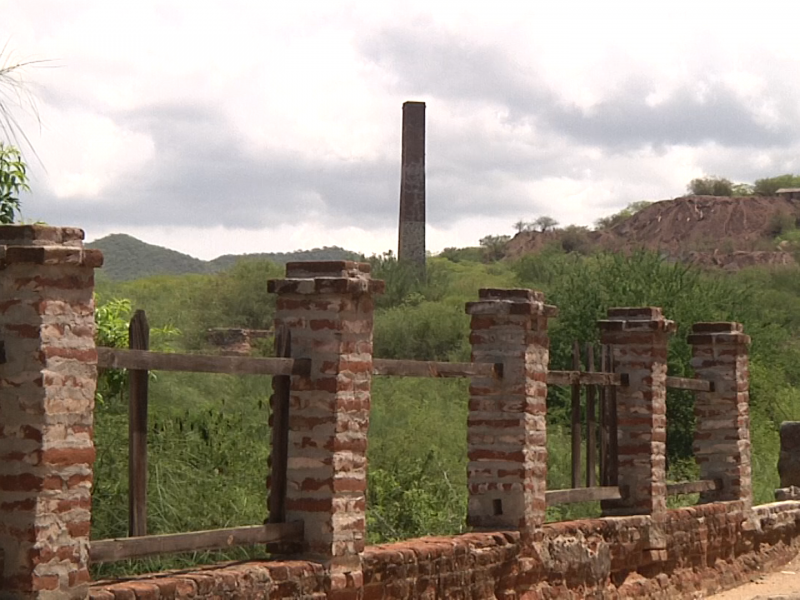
{"type": "Point", "coordinates": [259, 126]}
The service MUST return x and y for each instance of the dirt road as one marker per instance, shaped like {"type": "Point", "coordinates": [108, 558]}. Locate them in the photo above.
{"type": "Point", "coordinates": [783, 584]}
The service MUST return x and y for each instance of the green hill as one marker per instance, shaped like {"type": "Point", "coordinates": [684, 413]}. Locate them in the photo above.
{"type": "Point", "coordinates": [127, 258]}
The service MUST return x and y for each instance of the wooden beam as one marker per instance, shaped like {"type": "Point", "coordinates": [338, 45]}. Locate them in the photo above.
{"type": "Point", "coordinates": [421, 368]}
{"type": "Point", "coordinates": [581, 378]}
{"type": "Point", "coordinates": [693, 487]}
{"type": "Point", "coordinates": [553, 497]}
{"type": "Point", "coordinates": [278, 460]}
{"type": "Point", "coordinates": [114, 358]}
{"type": "Point", "coordinates": [218, 539]}
{"type": "Point", "coordinates": [138, 339]}
{"type": "Point", "coordinates": [575, 430]}
{"type": "Point", "coordinates": [686, 383]}
{"type": "Point", "coordinates": [591, 423]}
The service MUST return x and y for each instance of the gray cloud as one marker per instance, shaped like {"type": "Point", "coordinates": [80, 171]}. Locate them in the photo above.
{"type": "Point", "coordinates": [444, 65]}
{"type": "Point", "coordinates": [202, 175]}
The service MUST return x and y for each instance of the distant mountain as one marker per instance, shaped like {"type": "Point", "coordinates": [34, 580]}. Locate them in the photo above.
{"type": "Point", "coordinates": [127, 258]}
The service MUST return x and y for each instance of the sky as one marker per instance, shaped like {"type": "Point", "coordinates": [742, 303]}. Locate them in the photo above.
{"type": "Point", "coordinates": [262, 126]}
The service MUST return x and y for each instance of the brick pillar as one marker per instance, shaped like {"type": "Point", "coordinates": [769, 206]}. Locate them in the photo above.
{"type": "Point", "coordinates": [722, 429]}
{"type": "Point", "coordinates": [638, 338]}
{"type": "Point", "coordinates": [48, 375]}
{"type": "Point", "coordinates": [506, 428]}
{"type": "Point", "coordinates": [328, 308]}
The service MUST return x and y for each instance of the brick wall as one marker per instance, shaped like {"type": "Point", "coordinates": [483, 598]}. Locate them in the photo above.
{"type": "Point", "coordinates": [710, 548]}
{"type": "Point", "coordinates": [47, 380]}
{"type": "Point", "coordinates": [47, 385]}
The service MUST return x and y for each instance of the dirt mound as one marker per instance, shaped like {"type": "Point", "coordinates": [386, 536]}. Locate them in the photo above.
{"type": "Point", "coordinates": [713, 231]}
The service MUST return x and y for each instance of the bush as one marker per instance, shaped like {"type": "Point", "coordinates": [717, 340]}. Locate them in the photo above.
{"type": "Point", "coordinates": [710, 186]}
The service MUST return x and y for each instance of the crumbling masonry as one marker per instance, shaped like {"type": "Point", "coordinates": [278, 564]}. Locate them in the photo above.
{"type": "Point", "coordinates": [640, 549]}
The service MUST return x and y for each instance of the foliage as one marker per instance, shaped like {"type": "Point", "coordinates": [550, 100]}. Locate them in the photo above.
{"type": "Point", "coordinates": [13, 181]}
{"type": "Point", "coordinates": [209, 434]}
{"type": "Point", "coordinates": [112, 320]}
{"type": "Point", "coordinates": [576, 239]}
{"type": "Point", "coordinates": [545, 223]}
{"type": "Point", "coordinates": [710, 186]}
{"type": "Point", "coordinates": [494, 247]}
{"type": "Point", "coordinates": [462, 254]}
{"type": "Point", "coordinates": [623, 215]}
{"type": "Point", "coordinates": [128, 259]}
{"type": "Point", "coordinates": [769, 185]}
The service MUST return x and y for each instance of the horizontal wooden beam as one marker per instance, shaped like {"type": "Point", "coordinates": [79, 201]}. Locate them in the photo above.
{"type": "Point", "coordinates": [588, 494]}
{"type": "Point", "coordinates": [582, 378]}
{"type": "Point", "coordinates": [693, 487]}
{"type": "Point", "coordinates": [143, 360]}
{"type": "Point", "coordinates": [686, 383]}
{"type": "Point", "coordinates": [422, 368]}
{"type": "Point", "coordinates": [218, 539]}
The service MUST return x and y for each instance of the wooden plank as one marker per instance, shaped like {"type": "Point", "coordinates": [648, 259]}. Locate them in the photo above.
{"type": "Point", "coordinates": [578, 377]}
{"type": "Point", "coordinates": [553, 497]}
{"type": "Point", "coordinates": [591, 423]}
{"type": "Point", "coordinates": [421, 368]}
{"type": "Point", "coordinates": [124, 548]}
{"type": "Point", "coordinates": [576, 418]}
{"type": "Point", "coordinates": [138, 339]}
{"type": "Point", "coordinates": [603, 410]}
{"type": "Point", "coordinates": [281, 390]}
{"type": "Point", "coordinates": [114, 358]}
{"type": "Point", "coordinates": [686, 383]}
{"type": "Point", "coordinates": [693, 487]}
{"type": "Point", "coordinates": [613, 446]}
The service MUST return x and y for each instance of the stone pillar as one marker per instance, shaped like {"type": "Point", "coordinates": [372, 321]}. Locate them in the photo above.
{"type": "Point", "coordinates": [722, 428]}
{"type": "Point", "coordinates": [638, 338]}
{"type": "Point", "coordinates": [48, 374]}
{"type": "Point", "coordinates": [327, 307]}
{"type": "Point", "coordinates": [411, 245]}
{"type": "Point", "coordinates": [506, 427]}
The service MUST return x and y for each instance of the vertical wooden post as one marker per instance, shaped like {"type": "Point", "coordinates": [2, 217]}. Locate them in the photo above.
{"type": "Point", "coordinates": [138, 339]}
{"type": "Point", "coordinates": [603, 410]}
{"type": "Point", "coordinates": [613, 442]}
{"type": "Point", "coordinates": [279, 421]}
{"type": "Point", "coordinates": [576, 418]}
{"type": "Point", "coordinates": [591, 424]}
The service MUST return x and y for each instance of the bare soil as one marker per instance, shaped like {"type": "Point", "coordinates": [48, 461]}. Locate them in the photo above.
{"type": "Point", "coordinates": [711, 231]}
{"type": "Point", "coordinates": [783, 584]}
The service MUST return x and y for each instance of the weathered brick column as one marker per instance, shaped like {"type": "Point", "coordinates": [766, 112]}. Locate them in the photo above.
{"type": "Point", "coordinates": [47, 384]}
{"type": "Point", "coordinates": [328, 309]}
{"type": "Point", "coordinates": [638, 338]}
{"type": "Point", "coordinates": [722, 428]}
{"type": "Point", "coordinates": [506, 428]}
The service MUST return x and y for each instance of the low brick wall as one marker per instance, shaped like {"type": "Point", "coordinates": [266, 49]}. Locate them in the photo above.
{"type": "Point", "coordinates": [710, 548]}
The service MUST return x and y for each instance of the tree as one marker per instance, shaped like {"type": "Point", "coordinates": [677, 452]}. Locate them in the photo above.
{"type": "Point", "coordinates": [494, 247]}
{"type": "Point", "coordinates": [624, 214]}
{"type": "Point", "coordinates": [13, 180]}
{"type": "Point", "coordinates": [521, 226]}
{"type": "Point", "coordinates": [710, 186]}
{"type": "Point", "coordinates": [770, 185]}
{"type": "Point", "coordinates": [545, 223]}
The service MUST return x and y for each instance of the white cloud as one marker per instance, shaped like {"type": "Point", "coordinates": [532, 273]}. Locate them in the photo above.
{"type": "Point", "coordinates": [216, 128]}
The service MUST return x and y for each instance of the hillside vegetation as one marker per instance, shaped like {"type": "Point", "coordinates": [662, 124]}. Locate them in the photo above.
{"type": "Point", "coordinates": [209, 438]}
{"type": "Point", "coordinates": [127, 258]}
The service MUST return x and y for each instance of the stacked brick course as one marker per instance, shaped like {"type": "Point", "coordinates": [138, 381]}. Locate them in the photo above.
{"type": "Point", "coordinates": [47, 381]}
{"type": "Point", "coordinates": [507, 428]}
{"type": "Point", "coordinates": [327, 307]}
{"type": "Point", "coordinates": [47, 386]}
{"type": "Point", "coordinates": [722, 430]}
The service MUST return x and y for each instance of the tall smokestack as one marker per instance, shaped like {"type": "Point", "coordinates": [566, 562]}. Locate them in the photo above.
{"type": "Point", "coordinates": [411, 246]}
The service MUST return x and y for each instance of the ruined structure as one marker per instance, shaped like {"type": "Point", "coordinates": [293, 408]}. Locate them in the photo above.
{"type": "Point", "coordinates": [411, 245]}
{"type": "Point", "coordinates": [639, 549]}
